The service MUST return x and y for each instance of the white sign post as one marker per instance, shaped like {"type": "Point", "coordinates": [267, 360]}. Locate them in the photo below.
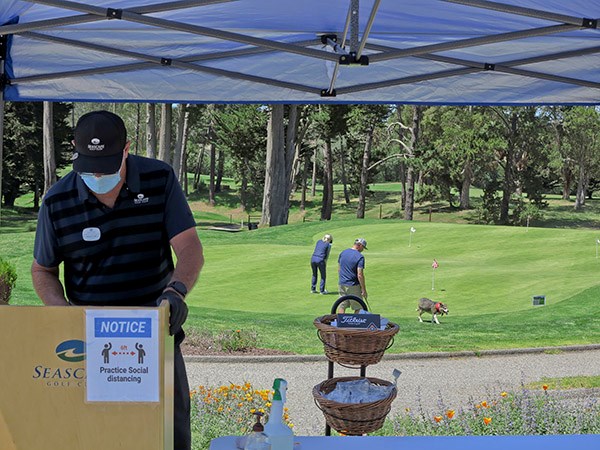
{"type": "Point", "coordinates": [122, 351]}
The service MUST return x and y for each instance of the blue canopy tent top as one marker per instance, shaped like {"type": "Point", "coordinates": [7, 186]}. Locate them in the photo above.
{"type": "Point", "coordinates": [512, 52]}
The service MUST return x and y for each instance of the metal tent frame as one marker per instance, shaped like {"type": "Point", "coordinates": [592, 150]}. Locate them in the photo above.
{"type": "Point", "coordinates": [342, 51]}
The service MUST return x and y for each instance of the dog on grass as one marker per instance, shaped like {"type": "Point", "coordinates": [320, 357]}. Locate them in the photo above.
{"type": "Point", "coordinates": [433, 308]}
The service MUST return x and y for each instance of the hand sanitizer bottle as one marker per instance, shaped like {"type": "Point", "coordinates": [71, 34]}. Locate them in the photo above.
{"type": "Point", "coordinates": [280, 435]}
{"type": "Point", "coordinates": [257, 440]}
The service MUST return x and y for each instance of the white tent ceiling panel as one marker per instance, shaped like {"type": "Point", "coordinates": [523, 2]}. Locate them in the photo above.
{"type": "Point", "coordinates": [419, 51]}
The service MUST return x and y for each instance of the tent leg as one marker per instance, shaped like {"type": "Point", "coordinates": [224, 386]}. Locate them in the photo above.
{"type": "Point", "coordinates": [1, 135]}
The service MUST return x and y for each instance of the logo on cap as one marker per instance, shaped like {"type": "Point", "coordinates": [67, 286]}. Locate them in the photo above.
{"type": "Point", "coordinates": [95, 145]}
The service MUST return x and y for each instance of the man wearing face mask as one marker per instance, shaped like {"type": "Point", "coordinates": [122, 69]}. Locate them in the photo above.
{"type": "Point", "coordinates": [112, 223]}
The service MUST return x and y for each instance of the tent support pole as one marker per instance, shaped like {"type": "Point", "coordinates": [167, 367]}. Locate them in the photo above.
{"type": "Point", "coordinates": [365, 36]}
{"type": "Point", "coordinates": [3, 52]}
{"type": "Point", "coordinates": [331, 90]}
{"type": "Point", "coordinates": [354, 26]}
{"type": "Point", "coordinates": [528, 12]}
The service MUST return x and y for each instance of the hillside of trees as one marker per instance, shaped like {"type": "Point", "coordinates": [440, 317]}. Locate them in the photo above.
{"type": "Point", "coordinates": [515, 155]}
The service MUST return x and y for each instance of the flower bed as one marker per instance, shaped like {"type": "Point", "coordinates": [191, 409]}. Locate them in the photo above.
{"type": "Point", "coordinates": [226, 411]}
{"type": "Point", "coordinates": [526, 412]}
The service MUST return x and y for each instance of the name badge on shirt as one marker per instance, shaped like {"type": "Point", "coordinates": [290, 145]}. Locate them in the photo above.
{"type": "Point", "coordinates": [90, 234]}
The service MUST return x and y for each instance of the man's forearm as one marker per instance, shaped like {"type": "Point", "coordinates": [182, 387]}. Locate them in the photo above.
{"type": "Point", "coordinates": [363, 286]}
{"type": "Point", "coordinates": [188, 268]}
{"type": "Point", "coordinates": [47, 285]}
{"type": "Point", "coordinates": [190, 258]}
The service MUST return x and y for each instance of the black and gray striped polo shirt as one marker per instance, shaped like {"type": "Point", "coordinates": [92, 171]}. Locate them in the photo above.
{"type": "Point", "coordinates": [119, 256]}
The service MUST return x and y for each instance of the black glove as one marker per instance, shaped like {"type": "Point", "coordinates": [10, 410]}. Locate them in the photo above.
{"type": "Point", "coordinates": [178, 310]}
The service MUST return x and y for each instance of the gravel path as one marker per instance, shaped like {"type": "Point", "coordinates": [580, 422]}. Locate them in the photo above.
{"type": "Point", "coordinates": [455, 378]}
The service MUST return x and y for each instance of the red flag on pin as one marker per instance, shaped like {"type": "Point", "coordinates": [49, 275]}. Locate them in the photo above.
{"type": "Point", "coordinates": [435, 264]}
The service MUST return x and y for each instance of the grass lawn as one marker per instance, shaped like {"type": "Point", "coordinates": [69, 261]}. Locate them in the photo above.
{"type": "Point", "coordinates": [260, 280]}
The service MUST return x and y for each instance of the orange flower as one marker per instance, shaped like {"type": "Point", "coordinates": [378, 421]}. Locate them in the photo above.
{"type": "Point", "coordinates": [438, 419]}
{"type": "Point", "coordinates": [485, 404]}
{"type": "Point", "coordinates": [545, 387]}
{"type": "Point", "coordinates": [450, 413]}
{"type": "Point", "coordinates": [487, 420]}
{"type": "Point", "coordinates": [503, 394]}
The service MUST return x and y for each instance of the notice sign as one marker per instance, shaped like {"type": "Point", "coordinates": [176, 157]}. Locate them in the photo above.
{"type": "Point", "coordinates": [122, 355]}
{"type": "Point", "coordinates": [368, 321]}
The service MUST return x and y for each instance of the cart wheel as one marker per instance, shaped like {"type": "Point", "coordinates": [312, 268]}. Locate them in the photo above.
{"type": "Point", "coordinates": [348, 297]}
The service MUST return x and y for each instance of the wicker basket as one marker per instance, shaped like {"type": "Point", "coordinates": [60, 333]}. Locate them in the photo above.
{"type": "Point", "coordinates": [353, 419]}
{"type": "Point", "coordinates": [351, 346]}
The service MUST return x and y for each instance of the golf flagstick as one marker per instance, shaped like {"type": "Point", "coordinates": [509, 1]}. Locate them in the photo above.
{"type": "Point", "coordinates": [434, 266]}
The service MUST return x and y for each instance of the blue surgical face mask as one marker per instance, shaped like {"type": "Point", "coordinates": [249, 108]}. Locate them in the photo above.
{"type": "Point", "coordinates": [101, 184]}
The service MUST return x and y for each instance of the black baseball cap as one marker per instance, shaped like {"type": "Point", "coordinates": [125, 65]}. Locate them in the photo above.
{"type": "Point", "coordinates": [100, 138]}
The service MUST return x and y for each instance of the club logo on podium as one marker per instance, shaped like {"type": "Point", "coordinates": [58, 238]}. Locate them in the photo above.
{"type": "Point", "coordinates": [71, 351]}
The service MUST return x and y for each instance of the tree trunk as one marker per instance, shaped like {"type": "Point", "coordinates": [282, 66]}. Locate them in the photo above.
{"type": "Point", "coordinates": [212, 154]}
{"type": "Point", "coordinates": [327, 203]}
{"type": "Point", "coordinates": [402, 166]}
{"type": "Point", "coordinates": [183, 175]}
{"type": "Point", "coordinates": [220, 170]}
{"type": "Point", "coordinates": [303, 186]}
{"type": "Point", "coordinates": [509, 180]}
{"type": "Point", "coordinates": [313, 188]}
{"type": "Point", "coordinates": [198, 168]}
{"type": "Point", "coordinates": [244, 186]}
{"type": "Point", "coordinates": [343, 172]}
{"type": "Point", "coordinates": [183, 178]}
{"type": "Point", "coordinates": [402, 176]}
{"type": "Point", "coordinates": [409, 200]}
{"type": "Point", "coordinates": [36, 194]}
{"type": "Point", "coordinates": [178, 150]}
{"type": "Point", "coordinates": [164, 149]}
{"type": "Point", "coordinates": [298, 161]}
{"type": "Point", "coordinates": [581, 188]}
{"type": "Point", "coordinates": [49, 155]}
{"type": "Point", "coordinates": [151, 130]}
{"type": "Point", "coordinates": [212, 174]}
{"type": "Point", "coordinates": [466, 186]}
{"type": "Point", "coordinates": [136, 141]}
{"type": "Point", "coordinates": [274, 210]}
{"type": "Point", "coordinates": [362, 195]}
{"type": "Point", "coordinates": [291, 136]}
{"type": "Point", "coordinates": [567, 180]}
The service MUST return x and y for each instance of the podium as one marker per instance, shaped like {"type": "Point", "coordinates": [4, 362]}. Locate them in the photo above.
{"type": "Point", "coordinates": [86, 378]}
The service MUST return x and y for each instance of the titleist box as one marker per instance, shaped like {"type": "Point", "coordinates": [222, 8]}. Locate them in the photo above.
{"type": "Point", "coordinates": [366, 321]}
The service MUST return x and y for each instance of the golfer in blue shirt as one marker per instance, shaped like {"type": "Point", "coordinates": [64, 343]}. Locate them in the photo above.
{"type": "Point", "coordinates": [319, 262]}
{"type": "Point", "coordinates": [351, 265]}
